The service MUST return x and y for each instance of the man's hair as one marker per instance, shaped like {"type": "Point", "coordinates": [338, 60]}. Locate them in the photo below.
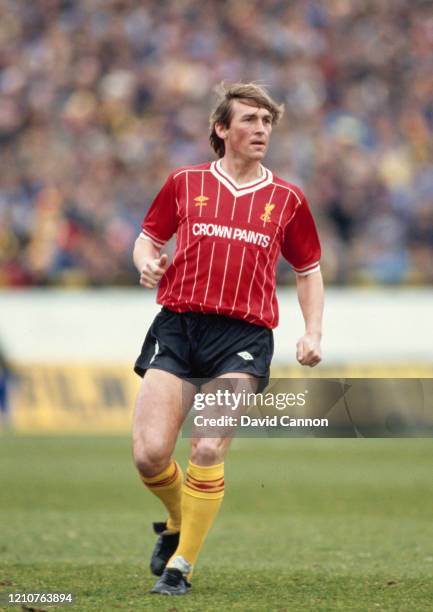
{"type": "Point", "coordinates": [251, 94]}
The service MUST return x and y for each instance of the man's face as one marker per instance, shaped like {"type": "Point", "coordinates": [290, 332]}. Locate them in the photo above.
{"type": "Point", "coordinates": [249, 132]}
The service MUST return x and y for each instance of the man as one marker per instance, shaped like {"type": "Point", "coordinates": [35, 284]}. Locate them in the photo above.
{"type": "Point", "coordinates": [232, 218]}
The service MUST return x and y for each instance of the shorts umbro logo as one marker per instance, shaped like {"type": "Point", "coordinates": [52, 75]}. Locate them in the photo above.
{"type": "Point", "coordinates": [246, 355]}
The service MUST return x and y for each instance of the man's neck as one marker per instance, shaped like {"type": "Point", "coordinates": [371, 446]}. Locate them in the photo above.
{"type": "Point", "coordinates": [242, 171]}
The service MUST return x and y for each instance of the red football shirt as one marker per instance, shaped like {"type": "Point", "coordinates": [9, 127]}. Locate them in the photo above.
{"type": "Point", "coordinates": [229, 238]}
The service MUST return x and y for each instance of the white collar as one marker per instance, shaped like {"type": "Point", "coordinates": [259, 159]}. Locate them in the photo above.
{"type": "Point", "coordinates": [219, 173]}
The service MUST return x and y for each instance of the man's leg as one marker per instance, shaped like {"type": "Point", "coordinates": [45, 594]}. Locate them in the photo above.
{"type": "Point", "coordinates": [203, 489]}
{"type": "Point", "coordinates": [162, 403]}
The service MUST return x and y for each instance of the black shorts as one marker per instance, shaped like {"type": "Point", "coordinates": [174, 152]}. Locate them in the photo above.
{"type": "Point", "coordinates": [192, 345]}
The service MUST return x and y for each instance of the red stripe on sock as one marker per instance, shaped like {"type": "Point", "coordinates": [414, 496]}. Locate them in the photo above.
{"type": "Point", "coordinates": [166, 481]}
{"type": "Point", "coordinates": [188, 475]}
{"type": "Point", "coordinates": [205, 486]}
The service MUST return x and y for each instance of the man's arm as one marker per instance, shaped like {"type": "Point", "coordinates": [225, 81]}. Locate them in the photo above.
{"type": "Point", "coordinates": [149, 262]}
{"type": "Point", "coordinates": [310, 296]}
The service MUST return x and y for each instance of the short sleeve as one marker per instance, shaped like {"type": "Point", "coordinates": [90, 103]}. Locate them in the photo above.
{"type": "Point", "coordinates": [300, 244]}
{"type": "Point", "coordinates": [160, 222]}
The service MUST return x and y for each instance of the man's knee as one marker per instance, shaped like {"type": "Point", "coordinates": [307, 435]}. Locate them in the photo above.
{"type": "Point", "coordinates": [207, 451]}
{"type": "Point", "coordinates": [151, 460]}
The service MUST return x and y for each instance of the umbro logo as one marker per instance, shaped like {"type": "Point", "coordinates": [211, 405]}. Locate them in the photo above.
{"type": "Point", "coordinates": [201, 200]}
{"type": "Point", "coordinates": [246, 355]}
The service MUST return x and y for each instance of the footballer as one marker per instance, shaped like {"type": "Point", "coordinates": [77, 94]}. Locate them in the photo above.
{"type": "Point", "coordinates": [232, 217]}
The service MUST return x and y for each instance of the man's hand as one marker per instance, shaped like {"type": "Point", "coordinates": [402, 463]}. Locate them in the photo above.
{"type": "Point", "coordinates": [152, 271]}
{"type": "Point", "coordinates": [308, 351]}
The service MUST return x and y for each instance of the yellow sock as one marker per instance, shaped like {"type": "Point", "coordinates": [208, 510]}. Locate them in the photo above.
{"type": "Point", "coordinates": [202, 495]}
{"type": "Point", "coordinates": [168, 487]}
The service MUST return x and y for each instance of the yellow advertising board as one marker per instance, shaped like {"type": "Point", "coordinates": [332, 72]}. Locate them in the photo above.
{"type": "Point", "coordinates": [84, 397]}
{"type": "Point", "coordinates": [100, 398]}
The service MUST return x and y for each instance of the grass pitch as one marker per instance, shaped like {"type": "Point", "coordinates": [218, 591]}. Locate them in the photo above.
{"type": "Point", "coordinates": [312, 524]}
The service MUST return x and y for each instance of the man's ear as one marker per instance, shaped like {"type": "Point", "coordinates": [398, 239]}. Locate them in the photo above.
{"type": "Point", "coordinates": [220, 130]}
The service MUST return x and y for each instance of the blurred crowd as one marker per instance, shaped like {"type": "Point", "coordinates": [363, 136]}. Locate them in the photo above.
{"type": "Point", "coordinates": [101, 99]}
